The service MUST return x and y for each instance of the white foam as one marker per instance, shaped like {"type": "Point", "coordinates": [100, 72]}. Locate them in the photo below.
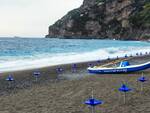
{"type": "Point", "coordinates": [44, 60]}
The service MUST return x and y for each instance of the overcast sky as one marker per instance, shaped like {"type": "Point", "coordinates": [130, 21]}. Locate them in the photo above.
{"type": "Point", "coordinates": [31, 18]}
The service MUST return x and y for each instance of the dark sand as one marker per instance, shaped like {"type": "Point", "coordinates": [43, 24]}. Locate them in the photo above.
{"type": "Point", "coordinates": [67, 92]}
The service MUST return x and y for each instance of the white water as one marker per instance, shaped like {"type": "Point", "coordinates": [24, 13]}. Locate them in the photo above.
{"type": "Point", "coordinates": [43, 60]}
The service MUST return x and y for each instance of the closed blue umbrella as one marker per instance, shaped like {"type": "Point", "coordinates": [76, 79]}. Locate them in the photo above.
{"type": "Point", "coordinates": [108, 58]}
{"type": "Point", "coordinates": [124, 89]}
{"type": "Point", "coordinates": [117, 57]}
{"type": "Point", "coordinates": [59, 70]}
{"type": "Point", "coordinates": [146, 53]}
{"type": "Point", "coordinates": [90, 65]}
{"type": "Point", "coordinates": [74, 67]}
{"type": "Point", "coordinates": [36, 74]}
{"type": "Point", "coordinates": [93, 102]}
{"type": "Point", "coordinates": [137, 54]}
{"type": "Point", "coordinates": [10, 78]}
{"type": "Point", "coordinates": [142, 80]}
{"type": "Point", "coordinates": [126, 56]}
{"type": "Point", "coordinates": [98, 61]}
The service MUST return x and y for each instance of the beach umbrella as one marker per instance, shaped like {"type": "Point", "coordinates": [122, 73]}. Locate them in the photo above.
{"type": "Point", "coordinates": [74, 67]}
{"type": "Point", "coordinates": [36, 75]}
{"type": "Point", "coordinates": [141, 53]}
{"type": "Point", "coordinates": [137, 54]}
{"type": "Point", "coordinates": [98, 61]}
{"type": "Point", "coordinates": [90, 65]}
{"type": "Point", "coordinates": [126, 56]}
{"type": "Point", "coordinates": [59, 70]}
{"type": "Point", "coordinates": [108, 58]}
{"type": "Point", "coordinates": [9, 79]}
{"type": "Point", "coordinates": [146, 53]}
{"type": "Point", "coordinates": [142, 79]}
{"type": "Point", "coordinates": [124, 89]}
{"type": "Point", "coordinates": [92, 102]}
{"type": "Point", "coordinates": [117, 57]}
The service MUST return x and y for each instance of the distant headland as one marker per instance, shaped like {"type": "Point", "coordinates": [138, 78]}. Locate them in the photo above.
{"type": "Point", "coordinates": [100, 19]}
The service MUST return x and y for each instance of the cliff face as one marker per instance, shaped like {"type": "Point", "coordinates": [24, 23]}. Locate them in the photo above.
{"type": "Point", "coordinates": [119, 19]}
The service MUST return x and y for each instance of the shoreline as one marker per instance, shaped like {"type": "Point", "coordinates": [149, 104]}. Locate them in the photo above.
{"type": "Point", "coordinates": [51, 70]}
{"type": "Point", "coordinates": [95, 38]}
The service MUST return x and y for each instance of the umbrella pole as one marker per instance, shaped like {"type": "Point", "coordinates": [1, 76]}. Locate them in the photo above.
{"type": "Point", "coordinates": [92, 98]}
{"type": "Point", "coordinates": [124, 97]}
{"type": "Point", "coordinates": [9, 84]}
{"type": "Point", "coordinates": [36, 78]}
{"type": "Point", "coordinates": [74, 70]}
{"type": "Point", "coordinates": [141, 87]}
{"type": "Point", "coordinates": [93, 109]}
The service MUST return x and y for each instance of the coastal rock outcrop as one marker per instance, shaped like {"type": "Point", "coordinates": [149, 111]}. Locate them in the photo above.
{"type": "Point", "coordinates": [113, 19]}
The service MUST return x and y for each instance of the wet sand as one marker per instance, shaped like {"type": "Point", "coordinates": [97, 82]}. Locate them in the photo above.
{"type": "Point", "coordinates": [67, 92]}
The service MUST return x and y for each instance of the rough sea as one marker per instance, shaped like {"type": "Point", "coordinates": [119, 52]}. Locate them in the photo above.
{"type": "Point", "coordinates": [26, 53]}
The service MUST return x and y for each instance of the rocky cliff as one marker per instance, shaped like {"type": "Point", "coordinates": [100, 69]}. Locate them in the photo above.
{"type": "Point", "coordinates": [119, 19]}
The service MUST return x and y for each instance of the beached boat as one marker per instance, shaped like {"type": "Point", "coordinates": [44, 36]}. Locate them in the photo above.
{"type": "Point", "coordinates": [124, 67]}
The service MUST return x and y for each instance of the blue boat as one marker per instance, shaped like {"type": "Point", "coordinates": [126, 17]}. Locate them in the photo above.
{"type": "Point", "coordinates": [124, 67]}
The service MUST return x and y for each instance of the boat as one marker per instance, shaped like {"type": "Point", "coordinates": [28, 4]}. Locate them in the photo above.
{"type": "Point", "coordinates": [124, 67]}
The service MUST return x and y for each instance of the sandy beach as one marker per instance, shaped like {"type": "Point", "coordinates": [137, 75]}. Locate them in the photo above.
{"type": "Point", "coordinates": [67, 92]}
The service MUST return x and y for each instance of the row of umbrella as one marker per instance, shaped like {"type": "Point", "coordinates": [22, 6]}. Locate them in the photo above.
{"type": "Point", "coordinates": [37, 74]}
{"type": "Point", "coordinates": [137, 54]}
{"type": "Point", "coordinates": [117, 57]}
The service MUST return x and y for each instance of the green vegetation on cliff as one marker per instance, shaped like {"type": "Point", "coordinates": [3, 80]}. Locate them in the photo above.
{"type": "Point", "coordinates": [142, 19]}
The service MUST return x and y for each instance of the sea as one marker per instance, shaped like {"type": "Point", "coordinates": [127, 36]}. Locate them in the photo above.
{"type": "Point", "coordinates": [29, 53]}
